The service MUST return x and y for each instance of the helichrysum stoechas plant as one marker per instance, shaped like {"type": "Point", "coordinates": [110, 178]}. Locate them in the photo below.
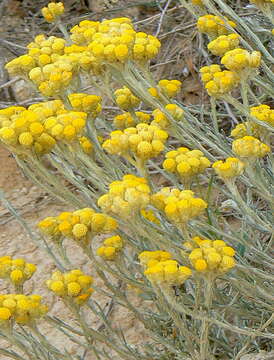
{"type": "Point", "coordinates": [73, 286]}
{"type": "Point", "coordinates": [229, 168]}
{"type": "Point", "coordinates": [111, 248]}
{"type": "Point", "coordinates": [192, 280]}
{"type": "Point", "coordinates": [21, 309]}
{"type": "Point", "coordinates": [125, 99]}
{"type": "Point", "coordinates": [81, 225]}
{"type": "Point", "coordinates": [161, 270]}
{"type": "Point", "coordinates": [126, 120]}
{"type": "Point", "coordinates": [249, 147]}
{"type": "Point", "coordinates": [162, 120]}
{"type": "Point", "coordinates": [137, 144]}
{"type": "Point", "coordinates": [212, 256]}
{"type": "Point", "coordinates": [17, 271]}
{"type": "Point", "coordinates": [214, 26]}
{"type": "Point", "coordinates": [126, 197]}
{"type": "Point", "coordinates": [185, 163]}
{"type": "Point", "coordinates": [178, 206]}
{"type": "Point", "coordinates": [53, 11]}
{"type": "Point", "coordinates": [223, 43]}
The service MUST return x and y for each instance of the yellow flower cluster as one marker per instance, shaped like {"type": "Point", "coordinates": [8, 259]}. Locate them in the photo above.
{"type": "Point", "coordinates": [86, 144]}
{"type": "Point", "coordinates": [143, 141]}
{"type": "Point", "coordinates": [116, 40]}
{"type": "Point", "coordinates": [250, 147]}
{"type": "Point", "coordinates": [90, 104]}
{"type": "Point", "coordinates": [125, 99]}
{"type": "Point", "coordinates": [212, 256]}
{"type": "Point", "coordinates": [54, 78]}
{"type": "Point", "coordinates": [223, 44]}
{"type": "Point", "coordinates": [22, 129]}
{"type": "Point", "coordinates": [160, 269]}
{"type": "Point", "coordinates": [217, 82]}
{"type": "Point", "coordinates": [46, 50]}
{"type": "Point", "coordinates": [82, 34]}
{"type": "Point", "coordinates": [240, 60]}
{"type": "Point", "coordinates": [125, 120]}
{"type": "Point", "coordinates": [112, 246]}
{"type": "Point", "coordinates": [229, 168]}
{"type": "Point", "coordinates": [214, 26]}
{"type": "Point", "coordinates": [160, 119]}
{"type": "Point", "coordinates": [80, 225]}
{"type": "Point", "coordinates": [17, 270]}
{"type": "Point", "coordinates": [53, 11]}
{"type": "Point", "coordinates": [126, 197]}
{"type": "Point", "coordinates": [185, 163]}
{"type": "Point", "coordinates": [178, 206]}
{"type": "Point", "coordinates": [262, 3]}
{"type": "Point", "coordinates": [263, 113]}
{"type": "Point", "coordinates": [169, 88]}
{"type": "Point", "coordinates": [20, 65]}
{"type": "Point", "coordinates": [23, 309]}
{"type": "Point", "coordinates": [72, 286]}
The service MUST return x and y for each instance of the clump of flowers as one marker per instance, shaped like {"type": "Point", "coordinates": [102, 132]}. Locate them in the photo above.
{"type": "Point", "coordinates": [161, 270]}
{"type": "Point", "coordinates": [90, 104]}
{"type": "Point", "coordinates": [178, 206]}
{"type": "Point", "coordinates": [218, 83]}
{"type": "Point", "coordinates": [125, 99]}
{"type": "Point", "coordinates": [125, 120]}
{"type": "Point", "coordinates": [53, 11]}
{"type": "Point", "coordinates": [21, 309]}
{"type": "Point", "coordinates": [249, 147]}
{"type": "Point", "coordinates": [185, 163]}
{"type": "Point", "coordinates": [111, 248]}
{"type": "Point", "coordinates": [161, 120]}
{"type": "Point", "coordinates": [16, 270]}
{"type": "Point", "coordinates": [80, 225]}
{"type": "Point", "coordinates": [214, 26]}
{"type": "Point", "coordinates": [82, 34]}
{"type": "Point", "coordinates": [263, 113]}
{"type": "Point", "coordinates": [46, 50]}
{"type": "Point", "coordinates": [212, 256]}
{"type": "Point", "coordinates": [116, 41]}
{"type": "Point", "coordinates": [169, 88]}
{"type": "Point", "coordinates": [73, 286]}
{"type": "Point", "coordinates": [223, 44]}
{"type": "Point", "coordinates": [142, 142]}
{"type": "Point", "coordinates": [229, 168]}
{"type": "Point", "coordinates": [240, 60]}
{"type": "Point", "coordinates": [126, 197]}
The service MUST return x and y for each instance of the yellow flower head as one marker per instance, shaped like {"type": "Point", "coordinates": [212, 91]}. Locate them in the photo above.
{"type": "Point", "coordinates": [223, 44]}
{"type": "Point", "coordinates": [214, 26]}
{"type": "Point", "coordinates": [212, 256]}
{"type": "Point", "coordinates": [90, 104]}
{"type": "Point", "coordinates": [229, 168]}
{"type": "Point", "coordinates": [72, 286]}
{"type": "Point", "coordinates": [161, 120]}
{"type": "Point", "coordinates": [143, 141]}
{"type": "Point", "coordinates": [125, 99]}
{"type": "Point", "coordinates": [53, 11]}
{"type": "Point", "coordinates": [240, 60]}
{"type": "Point", "coordinates": [170, 88]}
{"type": "Point", "coordinates": [178, 206]}
{"type": "Point", "coordinates": [22, 309]}
{"type": "Point", "coordinates": [185, 163]}
{"type": "Point", "coordinates": [126, 197]}
{"type": "Point", "coordinates": [250, 147]}
{"type": "Point", "coordinates": [125, 120]}
{"type": "Point", "coordinates": [162, 270]}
